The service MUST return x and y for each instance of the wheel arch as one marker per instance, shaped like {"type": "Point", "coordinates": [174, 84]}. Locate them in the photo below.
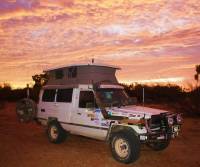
{"type": "Point", "coordinates": [120, 128]}
{"type": "Point", "coordinates": [52, 119]}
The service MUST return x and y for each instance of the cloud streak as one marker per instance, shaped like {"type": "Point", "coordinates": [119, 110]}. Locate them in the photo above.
{"type": "Point", "coordinates": [150, 39]}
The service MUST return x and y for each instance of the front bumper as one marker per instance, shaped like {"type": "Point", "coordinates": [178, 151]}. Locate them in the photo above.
{"type": "Point", "coordinates": [158, 135]}
{"type": "Point", "coordinates": [158, 129]}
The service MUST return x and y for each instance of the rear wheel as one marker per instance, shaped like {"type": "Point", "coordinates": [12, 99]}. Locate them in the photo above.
{"type": "Point", "coordinates": [56, 133]}
{"type": "Point", "coordinates": [125, 146]}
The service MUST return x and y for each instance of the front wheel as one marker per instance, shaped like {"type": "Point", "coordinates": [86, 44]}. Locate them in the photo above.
{"type": "Point", "coordinates": [125, 147]}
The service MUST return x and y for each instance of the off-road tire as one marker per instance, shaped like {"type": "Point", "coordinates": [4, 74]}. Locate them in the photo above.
{"type": "Point", "coordinates": [159, 146]}
{"type": "Point", "coordinates": [132, 144]}
{"type": "Point", "coordinates": [56, 134]}
{"type": "Point", "coordinates": [26, 110]}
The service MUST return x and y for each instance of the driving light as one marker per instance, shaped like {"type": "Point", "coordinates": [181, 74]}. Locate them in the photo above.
{"type": "Point", "coordinates": [176, 129]}
{"type": "Point", "coordinates": [179, 119]}
{"type": "Point", "coordinates": [170, 121]}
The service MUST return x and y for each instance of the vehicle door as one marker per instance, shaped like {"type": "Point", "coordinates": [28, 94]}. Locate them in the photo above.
{"type": "Point", "coordinates": [47, 103]}
{"type": "Point", "coordinates": [64, 104]}
{"type": "Point", "coordinates": [87, 117]}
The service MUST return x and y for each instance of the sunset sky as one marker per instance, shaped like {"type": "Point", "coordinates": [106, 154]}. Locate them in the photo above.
{"type": "Point", "coordinates": [151, 40]}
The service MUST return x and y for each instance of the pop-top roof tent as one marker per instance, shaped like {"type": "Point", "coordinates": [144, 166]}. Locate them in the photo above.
{"type": "Point", "coordinates": [82, 74]}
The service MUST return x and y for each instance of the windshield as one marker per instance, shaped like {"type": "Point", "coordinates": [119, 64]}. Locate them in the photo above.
{"type": "Point", "coordinates": [112, 97]}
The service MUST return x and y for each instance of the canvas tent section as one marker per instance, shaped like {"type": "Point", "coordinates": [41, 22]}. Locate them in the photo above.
{"type": "Point", "coordinates": [82, 74]}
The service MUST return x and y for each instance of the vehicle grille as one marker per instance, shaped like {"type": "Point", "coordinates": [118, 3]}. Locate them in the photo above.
{"type": "Point", "coordinates": [158, 122]}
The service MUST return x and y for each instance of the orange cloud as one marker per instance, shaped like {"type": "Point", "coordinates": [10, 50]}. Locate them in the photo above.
{"type": "Point", "coordinates": [150, 39]}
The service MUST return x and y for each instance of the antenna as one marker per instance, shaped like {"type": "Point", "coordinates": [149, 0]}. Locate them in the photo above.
{"type": "Point", "coordinates": [143, 96]}
{"type": "Point", "coordinates": [27, 91]}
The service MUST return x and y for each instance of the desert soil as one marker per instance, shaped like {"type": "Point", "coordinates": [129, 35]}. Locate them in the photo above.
{"type": "Point", "coordinates": [26, 145]}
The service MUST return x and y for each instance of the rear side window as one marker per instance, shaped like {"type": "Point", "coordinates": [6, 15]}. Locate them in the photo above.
{"type": "Point", "coordinates": [86, 99]}
{"type": "Point", "coordinates": [49, 95]}
{"type": "Point", "coordinates": [64, 95]}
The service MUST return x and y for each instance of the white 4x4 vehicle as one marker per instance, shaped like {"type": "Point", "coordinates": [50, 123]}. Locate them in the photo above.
{"type": "Point", "coordinates": [87, 100]}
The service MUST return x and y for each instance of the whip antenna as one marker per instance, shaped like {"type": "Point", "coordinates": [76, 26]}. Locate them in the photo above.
{"type": "Point", "coordinates": [143, 96]}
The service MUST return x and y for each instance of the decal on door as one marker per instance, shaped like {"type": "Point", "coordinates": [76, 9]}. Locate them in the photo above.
{"type": "Point", "coordinates": [94, 115]}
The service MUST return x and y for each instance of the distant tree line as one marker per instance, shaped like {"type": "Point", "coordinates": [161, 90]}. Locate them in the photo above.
{"type": "Point", "coordinates": [171, 95]}
{"type": "Point", "coordinates": [196, 76]}
{"type": "Point", "coordinates": [9, 94]}
{"type": "Point", "coordinates": [188, 102]}
{"type": "Point", "coordinates": [156, 93]}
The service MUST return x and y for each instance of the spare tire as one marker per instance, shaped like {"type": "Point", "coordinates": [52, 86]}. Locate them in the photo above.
{"type": "Point", "coordinates": [26, 110]}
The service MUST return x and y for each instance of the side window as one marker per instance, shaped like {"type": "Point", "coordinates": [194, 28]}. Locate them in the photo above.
{"type": "Point", "coordinates": [64, 95]}
{"type": "Point", "coordinates": [59, 74]}
{"type": "Point", "coordinates": [48, 95]}
{"type": "Point", "coordinates": [72, 72]}
{"type": "Point", "coordinates": [86, 99]}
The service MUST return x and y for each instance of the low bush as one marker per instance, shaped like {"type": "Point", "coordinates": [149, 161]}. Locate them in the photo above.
{"type": "Point", "coordinates": [168, 95]}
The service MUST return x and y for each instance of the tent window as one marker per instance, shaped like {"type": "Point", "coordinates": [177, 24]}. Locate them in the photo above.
{"type": "Point", "coordinates": [59, 74]}
{"type": "Point", "coordinates": [72, 72]}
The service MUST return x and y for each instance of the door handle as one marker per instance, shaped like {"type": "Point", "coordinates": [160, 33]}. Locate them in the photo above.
{"type": "Point", "coordinates": [78, 113]}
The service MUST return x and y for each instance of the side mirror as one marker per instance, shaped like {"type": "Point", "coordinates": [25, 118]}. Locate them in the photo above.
{"type": "Point", "coordinates": [133, 100]}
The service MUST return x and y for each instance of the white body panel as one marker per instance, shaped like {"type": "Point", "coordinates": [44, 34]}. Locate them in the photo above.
{"type": "Point", "coordinates": [135, 112]}
{"type": "Point", "coordinates": [72, 118]}
{"type": "Point", "coordinates": [45, 107]}
{"type": "Point", "coordinates": [141, 110]}
{"type": "Point", "coordinates": [88, 122]}
{"type": "Point", "coordinates": [81, 116]}
{"type": "Point", "coordinates": [60, 110]}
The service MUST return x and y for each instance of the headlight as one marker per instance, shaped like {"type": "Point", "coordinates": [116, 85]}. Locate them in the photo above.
{"type": "Point", "coordinates": [170, 121]}
{"type": "Point", "coordinates": [179, 118]}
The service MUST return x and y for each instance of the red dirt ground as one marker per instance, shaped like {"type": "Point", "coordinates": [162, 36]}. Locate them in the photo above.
{"type": "Point", "coordinates": [26, 145]}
